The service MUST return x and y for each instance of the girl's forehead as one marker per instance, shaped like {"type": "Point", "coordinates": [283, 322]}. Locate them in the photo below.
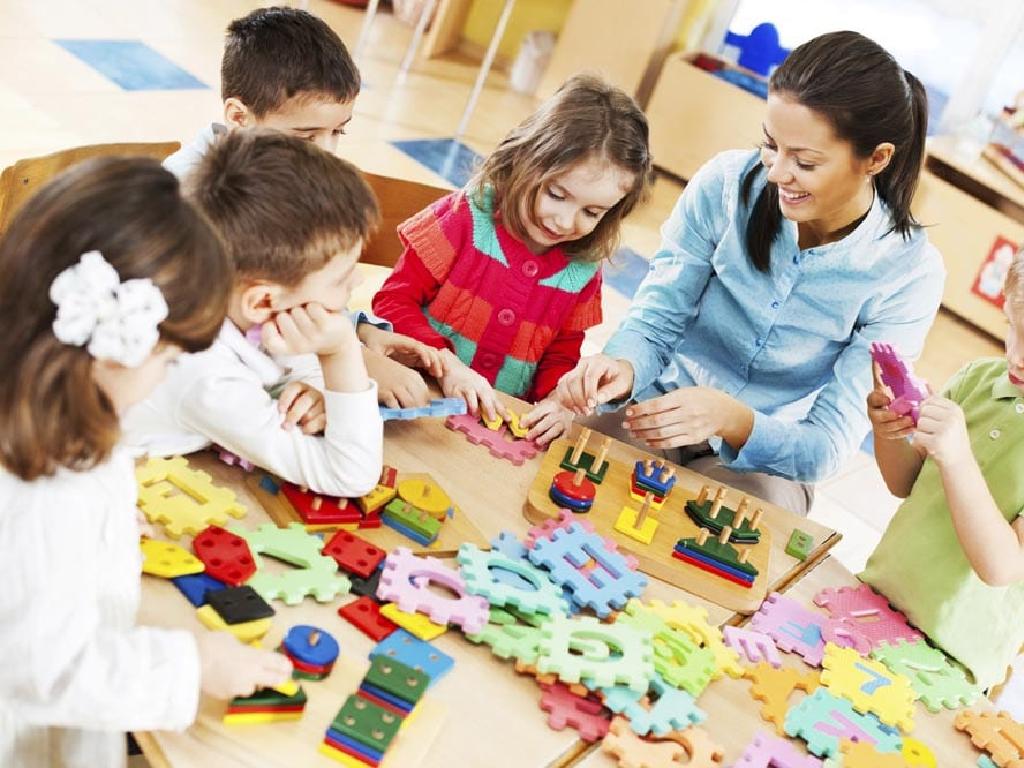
{"type": "Point", "coordinates": [594, 177]}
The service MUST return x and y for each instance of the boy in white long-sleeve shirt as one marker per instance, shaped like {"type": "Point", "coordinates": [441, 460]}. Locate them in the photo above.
{"type": "Point", "coordinates": [293, 219]}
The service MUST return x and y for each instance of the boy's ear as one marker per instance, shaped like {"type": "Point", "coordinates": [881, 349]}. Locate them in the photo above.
{"type": "Point", "coordinates": [258, 301]}
{"type": "Point", "coordinates": [236, 114]}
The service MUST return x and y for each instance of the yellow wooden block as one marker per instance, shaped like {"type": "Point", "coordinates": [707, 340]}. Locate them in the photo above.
{"type": "Point", "coordinates": [246, 631]}
{"type": "Point", "coordinates": [260, 718]}
{"type": "Point", "coordinates": [655, 505]}
{"type": "Point", "coordinates": [425, 495]}
{"type": "Point", "coordinates": [182, 499]}
{"type": "Point", "coordinates": [347, 760]}
{"type": "Point", "coordinates": [377, 498]}
{"type": "Point", "coordinates": [167, 559]}
{"type": "Point", "coordinates": [415, 623]}
{"type": "Point", "coordinates": [515, 427]}
{"type": "Point", "coordinates": [288, 688]}
{"type": "Point", "coordinates": [495, 424]}
{"type": "Point", "coordinates": [626, 524]}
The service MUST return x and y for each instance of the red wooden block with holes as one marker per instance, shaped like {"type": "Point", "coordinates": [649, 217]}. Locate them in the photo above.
{"type": "Point", "coordinates": [225, 555]}
{"type": "Point", "coordinates": [321, 510]}
{"type": "Point", "coordinates": [364, 615]}
{"type": "Point", "coordinates": [354, 554]}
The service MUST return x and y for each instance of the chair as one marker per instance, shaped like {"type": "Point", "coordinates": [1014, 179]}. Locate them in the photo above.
{"type": "Point", "coordinates": [398, 200]}
{"type": "Point", "coordinates": [20, 181]}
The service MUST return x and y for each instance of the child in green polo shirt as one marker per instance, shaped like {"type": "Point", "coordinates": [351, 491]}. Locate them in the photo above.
{"type": "Point", "coordinates": [952, 558]}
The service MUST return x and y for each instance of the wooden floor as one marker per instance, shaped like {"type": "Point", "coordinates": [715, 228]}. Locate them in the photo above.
{"type": "Point", "coordinates": [51, 100]}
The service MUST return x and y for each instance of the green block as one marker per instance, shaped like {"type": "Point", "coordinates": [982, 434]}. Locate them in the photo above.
{"type": "Point", "coordinates": [367, 723]}
{"type": "Point", "coordinates": [701, 516]}
{"type": "Point", "coordinates": [722, 553]}
{"type": "Point", "coordinates": [269, 697]}
{"type": "Point", "coordinates": [586, 462]}
{"type": "Point", "coordinates": [412, 518]}
{"type": "Point", "coordinates": [799, 544]}
{"type": "Point", "coordinates": [396, 678]}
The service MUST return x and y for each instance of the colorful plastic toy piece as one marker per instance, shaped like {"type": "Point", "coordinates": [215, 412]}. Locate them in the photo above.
{"type": "Point", "coordinates": [631, 664]}
{"type": "Point", "coordinates": [633, 752]}
{"type": "Point", "coordinates": [310, 645]}
{"type": "Point", "coordinates": [366, 587]}
{"type": "Point", "coordinates": [367, 723]}
{"type": "Point", "coordinates": [426, 495]}
{"type": "Point", "coordinates": [654, 476]}
{"type": "Point", "coordinates": [226, 556]}
{"type": "Point", "coordinates": [182, 499]}
{"type": "Point", "coordinates": [266, 706]}
{"type": "Point", "coordinates": [376, 499]}
{"type": "Point", "coordinates": [824, 720]}
{"type": "Point", "coordinates": [678, 659]}
{"type": "Point", "coordinates": [701, 751]}
{"type": "Point", "coordinates": [984, 761]}
{"type": "Point", "coordinates": [576, 458]}
{"type": "Point", "coordinates": [774, 687]}
{"type": "Point", "coordinates": [636, 524]}
{"type": "Point", "coordinates": [510, 640]}
{"type": "Point", "coordinates": [233, 459]}
{"type": "Point", "coordinates": [238, 604]}
{"type": "Point", "coordinates": [672, 710]}
{"type": "Point", "coordinates": [497, 442]}
{"type": "Point", "coordinates": [870, 685]}
{"type": "Point", "coordinates": [711, 513]}
{"type": "Point", "coordinates": [917, 755]}
{"type": "Point", "coordinates": [515, 427]}
{"type": "Point", "coordinates": [416, 623]}
{"type": "Point", "coordinates": [573, 489]}
{"type": "Point", "coordinates": [409, 521]}
{"type": "Point", "coordinates": [767, 751]}
{"type": "Point", "coordinates": [195, 587]}
{"type": "Point", "coordinates": [317, 509]}
{"type": "Point", "coordinates": [693, 620]}
{"type": "Point", "coordinates": [364, 614]}
{"type": "Point", "coordinates": [866, 756]}
{"type": "Point", "coordinates": [937, 681]}
{"type": "Point", "coordinates": [245, 631]}
{"type": "Point", "coordinates": [707, 564]}
{"type": "Point", "coordinates": [398, 679]}
{"type": "Point", "coordinates": [354, 554]}
{"type": "Point", "coordinates": [717, 552]}
{"type": "Point", "coordinates": [908, 391]}
{"type": "Point", "coordinates": [563, 522]}
{"type": "Point", "coordinates": [415, 653]}
{"type": "Point", "coordinates": [167, 559]}
{"type": "Point", "coordinates": [845, 636]}
{"type": "Point", "coordinates": [609, 585]}
{"type": "Point", "coordinates": [869, 612]}
{"type": "Point", "coordinates": [756, 646]}
{"type": "Point", "coordinates": [349, 751]}
{"type": "Point", "coordinates": [442, 406]}
{"type": "Point", "coordinates": [585, 714]}
{"type": "Point", "coordinates": [996, 733]}
{"type": "Point", "coordinates": [479, 571]}
{"type": "Point", "coordinates": [406, 581]}
{"type": "Point", "coordinates": [793, 628]}
{"type": "Point", "coordinates": [800, 544]}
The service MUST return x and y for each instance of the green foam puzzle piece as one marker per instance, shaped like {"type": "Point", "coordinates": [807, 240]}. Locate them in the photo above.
{"type": "Point", "coordinates": [722, 553]}
{"type": "Point", "coordinates": [508, 641]}
{"type": "Point", "coordinates": [937, 680]}
{"type": "Point", "coordinates": [367, 723]}
{"type": "Point", "coordinates": [823, 720]}
{"type": "Point", "coordinates": [407, 515]}
{"type": "Point", "coordinates": [396, 678]}
{"type": "Point", "coordinates": [586, 462]}
{"type": "Point", "coordinates": [800, 544]}
{"type": "Point", "coordinates": [701, 515]}
{"type": "Point", "coordinates": [294, 544]}
{"type": "Point", "coordinates": [624, 655]}
{"type": "Point", "coordinates": [680, 661]}
{"type": "Point", "coordinates": [477, 569]}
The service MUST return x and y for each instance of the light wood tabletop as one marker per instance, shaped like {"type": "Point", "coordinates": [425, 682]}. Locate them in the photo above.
{"type": "Point", "coordinates": [482, 712]}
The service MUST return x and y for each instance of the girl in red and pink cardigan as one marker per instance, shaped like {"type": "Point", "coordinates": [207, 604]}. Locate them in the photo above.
{"type": "Point", "coordinates": [504, 275]}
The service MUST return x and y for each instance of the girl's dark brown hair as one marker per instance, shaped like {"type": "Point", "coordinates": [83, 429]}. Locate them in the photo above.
{"type": "Point", "coordinates": [869, 99]}
{"type": "Point", "coordinates": [52, 413]}
{"type": "Point", "coordinates": [585, 118]}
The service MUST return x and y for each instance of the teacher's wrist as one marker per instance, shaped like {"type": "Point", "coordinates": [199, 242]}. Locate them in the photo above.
{"type": "Point", "coordinates": [738, 424]}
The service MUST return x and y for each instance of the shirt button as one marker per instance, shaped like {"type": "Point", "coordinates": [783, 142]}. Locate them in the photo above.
{"type": "Point", "coordinates": [994, 434]}
{"type": "Point", "coordinates": [1019, 407]}
{"type": "Point", "coordinates": [530, 268]}
{"type": "Point", "coordinates": [775, 305]}
{"type": "Point", "coordinates": [796, 259]}
{"type": "Point", "coordinates": [506, 317]}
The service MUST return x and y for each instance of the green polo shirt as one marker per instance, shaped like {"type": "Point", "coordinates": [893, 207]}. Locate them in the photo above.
{"type": "Point", "coordinates": [919, 564]}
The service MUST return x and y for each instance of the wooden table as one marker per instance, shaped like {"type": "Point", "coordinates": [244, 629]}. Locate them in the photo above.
{"type": "Point", "coordinates": [490, 714]}
{"type": "Point", "coordinates": [732, 713]}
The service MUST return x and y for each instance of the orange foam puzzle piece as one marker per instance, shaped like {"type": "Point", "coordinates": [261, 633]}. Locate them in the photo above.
{"type": "Point", "coordinates": [633, 752]}
{"type": "Point", "coordinates": [997, 733]}
{"type": "Point", "coordinates": [775, 686]}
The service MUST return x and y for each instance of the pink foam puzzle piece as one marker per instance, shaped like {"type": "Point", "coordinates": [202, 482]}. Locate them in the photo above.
{"type": "Point", "coordinates": [794, 629]}
{"type": "Point", "coordinates": [565, 519]}
{"type": "Point", "coordinates": [767, 751]}
{"type": "Point", "coordinates": [498, 441]}
{"type": "Point", "coordinates": [908, 391]}
{"type": "Point", "coordinates": [756, 646]}
{"type": "Point", "coordinates": [406, 581]}
{"type": "Point", "coordinates": [869, 612]}
{"type": "Point", "coordinates": [585, 714]}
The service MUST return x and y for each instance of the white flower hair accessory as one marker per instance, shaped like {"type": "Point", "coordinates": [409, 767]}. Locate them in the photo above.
{"type": "Point", "coordinates": [117, 320]}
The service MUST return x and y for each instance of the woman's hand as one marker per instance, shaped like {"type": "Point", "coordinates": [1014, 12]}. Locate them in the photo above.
{"type": "Point", "coordinates": [546, 421]}
{"type": "Point", "coordinates": [595, 380]}
{"type": "Point", "coordinates": [689, 416]}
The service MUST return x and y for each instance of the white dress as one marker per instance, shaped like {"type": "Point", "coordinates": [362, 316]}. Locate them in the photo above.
{"type": "Point", "coordinates": [75, 671]}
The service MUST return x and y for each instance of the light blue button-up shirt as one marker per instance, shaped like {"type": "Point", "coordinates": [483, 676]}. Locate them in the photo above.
{"type": "Point", "coordinates": [793, 344]}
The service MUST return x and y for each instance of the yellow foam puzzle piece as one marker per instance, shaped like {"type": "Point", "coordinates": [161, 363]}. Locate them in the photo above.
{"type": "Point", "coordinates": [693, 620]}
{"type": "Point", "coordinates": [414, 623]}
{"type": "Point", "coordinates": [182, 499]}
{"type": "Point", "coordinates": [245, 631]}
{"type": "Point", "coordinates": [496, 424]}
{"type": "Point", "coordinates": [626, 525]}
{"type": "Point", "coordinates": [515, 427]}
{"type": "Point", "coordinates": [260, 718]}
{"type": "Point", "coordinates": [869, 685]}
{"type": "Point", "coordinates": [167, 559]}
{"type": "Point", "coordinates": [917, 754]}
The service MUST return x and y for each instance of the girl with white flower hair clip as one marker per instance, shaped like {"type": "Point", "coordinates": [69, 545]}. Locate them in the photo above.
{"type": "Point", "coordinates": [107, 275]}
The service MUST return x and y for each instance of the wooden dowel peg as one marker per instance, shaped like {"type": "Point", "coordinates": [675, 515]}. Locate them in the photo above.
{"type": "Point", "coordinates": [741, 513]}
{"type": "Point", "coordinates": [581, 443]}
{"type": "Point", "coordinates": [577, 479]}
{"type": "Point", "coordinates": [755, 519]}
{"type": "Point", "coordinates": [598, 464]}
{"type": "Point", "coordinates": [716, 507]}
{"type": "Point", "coordinates": [723, 537]}
{"type": "Point", "coordinates": [702, 536]}
{"type": "Point", "coordinates": [703, 495]}
{"type": "Point", "coordinates": [744, 554]}
{"type": "Point", "coordinates": [314, 637]}
{"type": "Point", "coordinates": [641, 516]}
{"type": "Point", "coordinates": [317, 502]}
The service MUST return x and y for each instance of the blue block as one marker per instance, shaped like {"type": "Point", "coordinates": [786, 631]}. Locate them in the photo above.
{"type": "Point", "coordinates": [510, 546]}
{"type": "Point", "coordinates": [407, 532]}
{"type": "Point", "coordinates": [385, 696]}
{"type": "Point", "coordinates": [269, 484]}
{"type": "Point", "coordinates": [573, 505]}
{"type": "Point", "coordinates": [355, 746]}
{"type": "Point", "coordinates": [132, 65]}
{"type": "Point", "coordinates": [297, 643]}
{"type": "Point", "coordinates": [651, 482]}
{"type": "Point", "coordinates": [195, 586]}
{"type": "Point", "coordinates": [413, 652]}
{"type": "Point", "coordinates": [440, 407]}
{"type": "Point", "coordinates": [719, 565]}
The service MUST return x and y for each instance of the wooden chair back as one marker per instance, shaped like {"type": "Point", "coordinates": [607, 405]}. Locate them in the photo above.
{"type": "Point", "coordinates": [398, 199]}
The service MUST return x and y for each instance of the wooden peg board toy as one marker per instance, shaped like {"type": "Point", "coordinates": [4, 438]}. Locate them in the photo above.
{"type": "Point", "coordinates": [453, 530]}
{"type": "Point", "coordinates": [616, 508]}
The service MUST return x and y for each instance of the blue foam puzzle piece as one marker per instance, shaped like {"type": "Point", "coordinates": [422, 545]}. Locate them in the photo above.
{"type": "Point", "coordinates": [355, 746]}
{"type": "Point", "coordinates": [413, 652]}
{"type": "Point", "coordinates": [821, 717]}
{"type": "Point", "coordinates": [195, 586]}
{"type": "Point", "coordinates": [574, 505]}
{"type": "Point", "coordinates": [673, 710]}
{"type": "Point", "coordinates": [297, 643]}
{"type": "Point", "coordinates": [650, 482]}
{"type": "Point", "coordinates": [409, 533]}
{"type": "Point", "coordinates": [509, 545]}
{"type": "Point", "coordinates": [385, 696]}
{"type": "Point", "coordinates": [716, 563]}
{"type": "Point", "coordinates": [439, 407]}
{"type": "Point", "coordinates": [607, 586]}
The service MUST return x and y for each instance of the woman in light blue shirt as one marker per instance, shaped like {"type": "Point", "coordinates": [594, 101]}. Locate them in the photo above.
{"type": "Point", "coordinates": [777, 270]}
